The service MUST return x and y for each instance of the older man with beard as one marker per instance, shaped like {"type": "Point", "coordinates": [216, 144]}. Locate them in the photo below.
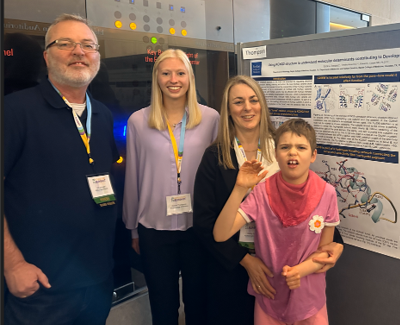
{"type": "Point", "coordinates": [60, 208]}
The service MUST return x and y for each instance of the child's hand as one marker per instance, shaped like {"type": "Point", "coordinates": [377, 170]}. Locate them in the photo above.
{"type": "Point", "coordinates": [292, 276]}
{"type": "Point", "coordinates": [248, 174]}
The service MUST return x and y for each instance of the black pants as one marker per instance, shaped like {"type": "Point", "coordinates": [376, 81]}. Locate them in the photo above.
{"type": "Point", "coordinates": [164, 254]}
{"type": "Point", "coordinates": [83, 306]}
{"type": "Point", "coordinates": [227, 300]}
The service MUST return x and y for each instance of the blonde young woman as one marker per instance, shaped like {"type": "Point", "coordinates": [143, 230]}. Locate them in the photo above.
{"type": "Point", "coordinates": [245, 133]}
{"type": "Point", "coordinates": [165, 143]}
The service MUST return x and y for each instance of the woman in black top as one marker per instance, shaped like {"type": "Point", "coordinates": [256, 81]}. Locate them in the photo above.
{"type": "Point", "coordinates": [229, 265]}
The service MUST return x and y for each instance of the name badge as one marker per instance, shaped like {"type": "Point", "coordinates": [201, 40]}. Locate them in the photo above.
{"type": "Point", "coordinates": [246, 236]}
{"type": "Point", "coordinates": [101, 189]}
{"type": "Point", "coordinates": [177, 204]}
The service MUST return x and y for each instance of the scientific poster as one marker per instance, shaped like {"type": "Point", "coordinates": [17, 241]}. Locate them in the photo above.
{"type": "Point", "coordinates": [351, 100]}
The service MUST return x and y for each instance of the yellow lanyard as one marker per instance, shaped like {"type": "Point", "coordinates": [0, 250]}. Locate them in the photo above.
{"type": "Point", "coordinates": [178, 152]}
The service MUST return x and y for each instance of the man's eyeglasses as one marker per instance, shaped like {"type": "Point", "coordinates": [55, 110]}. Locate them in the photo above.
{"type": "Point", "coordinates": [70, 46]}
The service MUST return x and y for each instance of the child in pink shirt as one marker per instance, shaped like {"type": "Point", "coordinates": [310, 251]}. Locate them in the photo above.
{"type": "Point", "coordinates": [295, 213]}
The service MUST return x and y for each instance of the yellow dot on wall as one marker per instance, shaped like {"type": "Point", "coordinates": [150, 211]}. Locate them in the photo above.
{"type": "Point", "coordinates": [184, 32]}
{"type": "Point", "coordinates": [132, 26]}
{"type": "Point", "coordinates": [118, 24]}
{"type": "Point", "coordinates": [172, 31]}
{"type": "Point", "coordinates": [120, 160]}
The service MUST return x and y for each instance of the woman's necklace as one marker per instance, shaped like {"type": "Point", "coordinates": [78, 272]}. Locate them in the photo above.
{"type": "Point", "coordinates": [171, 122]}
{"type": "Point", "coordinates": [250, 150]}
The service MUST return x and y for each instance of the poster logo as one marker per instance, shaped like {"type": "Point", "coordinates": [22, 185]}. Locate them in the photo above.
{"type": "Point", "coordinates": [256, 68]}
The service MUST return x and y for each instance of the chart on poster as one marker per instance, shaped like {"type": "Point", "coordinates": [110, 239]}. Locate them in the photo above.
{"type": "Point", "coordinates": [351, 100]}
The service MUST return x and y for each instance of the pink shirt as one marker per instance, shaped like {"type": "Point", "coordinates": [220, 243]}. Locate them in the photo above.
{"type": "Point", "coordinates": [278, 246]}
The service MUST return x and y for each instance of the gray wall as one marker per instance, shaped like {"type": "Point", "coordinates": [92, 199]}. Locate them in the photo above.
{"type": "Point", "coordinates": [251, 20]}
{"type": "Point", "coordinates": [44, 11]}
{"type": "Point", "coordinates": [240, 20]}
{"type": "Point", "coordinates": [219, 13]}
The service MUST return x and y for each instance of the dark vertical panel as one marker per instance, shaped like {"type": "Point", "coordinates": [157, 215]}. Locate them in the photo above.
{"type": "Point", "coordinates": [292, 18]}
{"type": "Point", "coordinates": [217, 76]}
{"type": "Point", "coordinates": [363, 288]}
{"type": "Point", "coordinates": [1, 164]}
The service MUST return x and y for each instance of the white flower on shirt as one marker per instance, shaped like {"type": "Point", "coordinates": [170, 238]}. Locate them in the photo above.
{"type": "Point", "coordinates": [317, 224]}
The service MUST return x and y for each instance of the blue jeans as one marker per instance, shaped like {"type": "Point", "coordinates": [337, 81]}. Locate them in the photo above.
{"type": "Point", "coordinates": [83, 306]}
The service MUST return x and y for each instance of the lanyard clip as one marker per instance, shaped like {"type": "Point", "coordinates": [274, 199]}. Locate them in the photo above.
{"type": "Point", "coordinates": [179, 183]}
{"type": "Point", "coordinates": [179, 178]}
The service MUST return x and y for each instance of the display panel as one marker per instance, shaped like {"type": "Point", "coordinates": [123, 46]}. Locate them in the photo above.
{"type": "Point", "coordinates": [123, 84]}
{"type": "Point", "coordinates": [178, 17]}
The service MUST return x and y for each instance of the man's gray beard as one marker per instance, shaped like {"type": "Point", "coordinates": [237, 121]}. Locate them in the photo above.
{"type": "Point", "coordinates": [72, 81]}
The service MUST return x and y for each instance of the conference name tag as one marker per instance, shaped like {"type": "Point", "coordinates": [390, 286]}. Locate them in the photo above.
{"type": "Point", "coordinates": [246, 236]}
{"type": "Point", "coordinates": [101, 189]}
{"type": "Point", "coordinates": [177, 204]}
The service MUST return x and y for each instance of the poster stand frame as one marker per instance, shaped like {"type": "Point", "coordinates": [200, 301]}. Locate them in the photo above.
{"type": "Point", "coordinates": [362, 288]}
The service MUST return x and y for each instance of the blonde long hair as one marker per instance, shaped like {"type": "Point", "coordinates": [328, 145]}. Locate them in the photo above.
{"type": "Point", "coordinates": [157, 117]}
{"type": "Point", "coordinates": [227, 131]}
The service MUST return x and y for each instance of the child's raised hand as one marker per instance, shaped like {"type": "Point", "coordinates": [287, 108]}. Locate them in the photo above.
{"type": "Point", "coordinates": [249, 174]}
{"type": "Point", "coordinates": [292, 276]}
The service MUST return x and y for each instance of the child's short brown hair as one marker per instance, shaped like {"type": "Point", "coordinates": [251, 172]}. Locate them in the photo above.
{"type": "Point", "coordinates": [299, 127]}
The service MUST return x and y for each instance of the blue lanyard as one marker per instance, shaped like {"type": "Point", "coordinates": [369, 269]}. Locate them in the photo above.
{"type": "Point", "coordinates": [85, 136]}
{"type": "Point", "coordinates": [182, 139]}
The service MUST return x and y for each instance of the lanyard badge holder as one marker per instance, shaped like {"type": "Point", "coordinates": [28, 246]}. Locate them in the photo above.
{"type": "Point", "coordinates": [101, 189]}
{"type": "Point", "coordinates": [181, 203]}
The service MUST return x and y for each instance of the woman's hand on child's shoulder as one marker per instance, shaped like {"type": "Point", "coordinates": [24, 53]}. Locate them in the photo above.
{"type": "Point", "coordinates": [249, 174]}
{"type": "Point", "coordinates": [292, 276]}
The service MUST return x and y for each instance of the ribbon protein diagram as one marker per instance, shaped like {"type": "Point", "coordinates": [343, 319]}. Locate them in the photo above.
{"type": "Point", "coordinates": [354, 192]}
